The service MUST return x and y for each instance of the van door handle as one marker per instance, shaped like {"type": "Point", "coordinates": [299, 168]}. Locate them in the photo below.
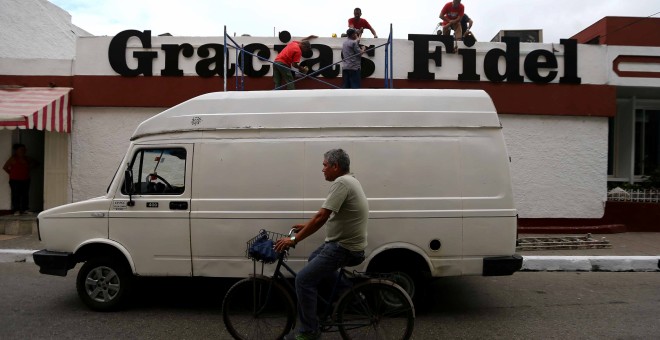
{"type": "Point", "coordinates": [178, 205]}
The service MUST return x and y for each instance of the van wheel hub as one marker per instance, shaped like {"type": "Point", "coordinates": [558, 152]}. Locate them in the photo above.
{"type": "Point", "coordinates": [102, 284]}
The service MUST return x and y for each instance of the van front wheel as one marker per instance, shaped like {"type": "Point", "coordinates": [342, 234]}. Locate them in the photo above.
{"type": "Point", "coordinates": [104, 284]}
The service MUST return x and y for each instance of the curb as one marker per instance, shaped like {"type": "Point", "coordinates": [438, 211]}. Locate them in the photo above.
{"type": "Point", "coordinates": [16, 255]}
{"type": "Point", "coordinates": [591, 263]}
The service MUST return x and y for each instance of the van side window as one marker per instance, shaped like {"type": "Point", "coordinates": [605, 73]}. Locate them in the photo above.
{"type": "Point", "coordinates": [159, 171]}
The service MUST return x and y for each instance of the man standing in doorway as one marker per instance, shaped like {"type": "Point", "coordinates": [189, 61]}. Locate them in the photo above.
{"type": "Point", "coordinates": [351, 52]}
{"type": "Point", "coordinates": [346, 212]}
{"type": "Point", "coordinates": [18, 167]}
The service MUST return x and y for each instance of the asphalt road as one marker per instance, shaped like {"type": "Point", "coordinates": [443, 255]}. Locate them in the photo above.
{"type": "Point", "coordinates": [529, 305]}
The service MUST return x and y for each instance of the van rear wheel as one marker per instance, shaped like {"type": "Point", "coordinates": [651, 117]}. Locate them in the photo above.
{"type": "Point", "coordinates": [414, 282]}
{"type": "Point", "coordinates": [104, 284]}
{"type": "Point", "coordinates": [406, 282]}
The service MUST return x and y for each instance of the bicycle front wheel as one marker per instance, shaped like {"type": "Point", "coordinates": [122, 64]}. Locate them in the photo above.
{"type": "Point", "coordinates": [258, 308]}
{"type": "Point", "coordinates": [376, 309]}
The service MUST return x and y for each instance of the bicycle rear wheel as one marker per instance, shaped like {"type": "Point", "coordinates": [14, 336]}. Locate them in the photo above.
{"type": "Point", "coordinates": [258, 308]}
{"type": "Point", "coordinates": [376, 309]}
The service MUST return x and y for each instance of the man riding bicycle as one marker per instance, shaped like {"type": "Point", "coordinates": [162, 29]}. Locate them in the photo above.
{"type": "Point", "coordinates": [344, 213]}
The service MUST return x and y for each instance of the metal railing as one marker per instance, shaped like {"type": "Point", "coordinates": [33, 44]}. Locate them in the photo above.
{"type": "Point", "coordinates": [634, 195]}
{"type": "Point", "coordinates": [240, 53]}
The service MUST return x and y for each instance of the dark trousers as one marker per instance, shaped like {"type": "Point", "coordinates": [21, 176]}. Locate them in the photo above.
{"type": "Point", "coordinates": [323, 264]}
{"type": "Point", "coordinates": [351, 79]}
{"type": "Point", "coordinates": [20, 194]}
{"type": "Point", "coordinates": [282, 74]}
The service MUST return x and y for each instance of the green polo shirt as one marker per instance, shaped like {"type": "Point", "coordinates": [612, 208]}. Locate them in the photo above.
{"type": "Point", "coordinates": [347, 224]}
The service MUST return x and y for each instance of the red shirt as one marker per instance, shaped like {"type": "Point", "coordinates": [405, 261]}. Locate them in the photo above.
{"type": "Point", "coordinates": [452, 12]}
{"type": "Point", "coordinates": [290, 54]}
{"type": "Point", "coordinates": [19, 169]}
{"type": "Point", "coordinates": [357, 24]}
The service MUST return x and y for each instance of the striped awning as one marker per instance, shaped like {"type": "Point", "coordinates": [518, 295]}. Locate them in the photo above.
{"type": "Point", "coordinates": [40, 108]}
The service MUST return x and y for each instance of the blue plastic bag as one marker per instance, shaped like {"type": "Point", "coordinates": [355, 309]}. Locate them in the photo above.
{"type": "Point", "coordinates": [262, 249]}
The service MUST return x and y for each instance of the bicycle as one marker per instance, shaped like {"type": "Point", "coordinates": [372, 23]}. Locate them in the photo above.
{"type": "Point", "coordinates": [262, 307]}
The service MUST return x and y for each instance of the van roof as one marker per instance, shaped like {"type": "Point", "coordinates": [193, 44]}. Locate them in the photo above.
{"type": "Point", "coordinates": [325, 109]}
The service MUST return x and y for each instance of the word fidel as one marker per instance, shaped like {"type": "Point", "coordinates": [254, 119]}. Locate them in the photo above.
{"type": "Point", "coordinates": [211, 65]}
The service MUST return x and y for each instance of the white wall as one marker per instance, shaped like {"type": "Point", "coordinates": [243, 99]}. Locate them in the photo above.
{"type": "Point", "coordinates": [37, 29]}
{"type": "Point", "coordinates": [558, 165]}
{"type": "Point", "coordinates": [99, 141]}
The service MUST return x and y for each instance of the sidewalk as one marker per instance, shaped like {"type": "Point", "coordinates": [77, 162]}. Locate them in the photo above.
{"type": "Point", "coordinates": [632, 251]}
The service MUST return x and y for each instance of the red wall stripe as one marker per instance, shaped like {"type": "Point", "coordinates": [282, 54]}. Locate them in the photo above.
{"type": "Point", "coordinates": [509, 98]}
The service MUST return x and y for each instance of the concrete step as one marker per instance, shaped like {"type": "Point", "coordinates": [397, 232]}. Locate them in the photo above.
{"type": "Point", "coordinates": [18, 225]}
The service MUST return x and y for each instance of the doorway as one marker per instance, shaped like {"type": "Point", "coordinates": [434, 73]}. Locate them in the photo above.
{"type": "Point", "coordinates": [34, 142]}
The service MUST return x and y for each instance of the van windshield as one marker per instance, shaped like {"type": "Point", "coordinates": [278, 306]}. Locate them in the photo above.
{"type": "Point", "coordinates": [107, 190]}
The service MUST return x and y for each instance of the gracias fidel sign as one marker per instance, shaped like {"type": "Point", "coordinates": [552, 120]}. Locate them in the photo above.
{"type": "Point", "coordinates": [540, 66]}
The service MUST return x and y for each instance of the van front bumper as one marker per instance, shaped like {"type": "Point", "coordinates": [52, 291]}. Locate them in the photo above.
{"type": "Point", "coordinates": [502, 265]}
{"type": "Point", "coordinates": [53, 262]}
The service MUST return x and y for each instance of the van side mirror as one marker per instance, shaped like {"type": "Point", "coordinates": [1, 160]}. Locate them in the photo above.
{"type": "Point", "coordinates": [128, 186]}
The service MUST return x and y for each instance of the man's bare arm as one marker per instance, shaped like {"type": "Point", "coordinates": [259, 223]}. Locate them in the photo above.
{"type": "Point", "coordinates": [312, 226]}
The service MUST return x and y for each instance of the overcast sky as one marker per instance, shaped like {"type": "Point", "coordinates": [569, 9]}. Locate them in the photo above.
{"type": "Point", "coordinates": [557, 18]}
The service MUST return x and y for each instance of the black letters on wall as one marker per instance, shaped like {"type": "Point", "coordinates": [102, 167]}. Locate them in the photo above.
{"type": "Point", "coordinates": [512, 62]}
{"type": "Point", "coordinates": [172, 58]}
{"type": "Point", "coordinates": [532, 66]}
{"type": "Point", "coordinates": [469, 65]}
{"type": "Point", "coordinates": [117, 54]}
{"type": "Point", "coordinates": [262, 51]}
{"type": "Point", "coordinates": [324, 59]}
{"type": "Point", "coordinates": [570, 62]}
{"type": "Point", "coordinates": [421, 54]}
{"type": "Point", "coordinates": [203, 66]}
{"type": "Point", "coordinates": [212, 60]}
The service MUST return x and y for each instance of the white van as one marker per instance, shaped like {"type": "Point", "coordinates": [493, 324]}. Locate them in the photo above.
{"type": "Point", "coordinates": [208, 174]}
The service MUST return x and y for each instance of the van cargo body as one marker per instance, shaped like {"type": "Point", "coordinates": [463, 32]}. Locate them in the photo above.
{"type": "Point", "coordinates": [205, 176]}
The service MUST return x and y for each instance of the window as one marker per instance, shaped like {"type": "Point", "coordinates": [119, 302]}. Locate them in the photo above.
{"type": "Point", "coordinates": [159, 171]}
{"type": "Point", "coordinates": [634, 141]}
{"type": "Point", "coordinates": [647, 141]}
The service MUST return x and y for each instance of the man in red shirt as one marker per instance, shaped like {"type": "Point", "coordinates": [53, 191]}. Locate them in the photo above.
{"type": "Point", "coordinates": [290, 57]}
{"type": "Point", "coordinates": [451, 16]}
{"type": "Point", "coordinates": [18, 167]}
{"type": "Point", "coordinates": [360, 24]}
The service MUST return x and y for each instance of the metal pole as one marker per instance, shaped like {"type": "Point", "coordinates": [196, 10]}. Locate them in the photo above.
{"type": "Point", "coordinates": [391, 57]}
{"type": "Point", "coordinates": [224, 74]}
{"type": "Point", "coordinates": [386, 65]}
{"type": "Point", "coordinates": [242, 68]}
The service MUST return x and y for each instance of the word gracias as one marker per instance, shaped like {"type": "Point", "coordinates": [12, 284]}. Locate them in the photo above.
{"type": "Point", "coordinates": [212, 64]}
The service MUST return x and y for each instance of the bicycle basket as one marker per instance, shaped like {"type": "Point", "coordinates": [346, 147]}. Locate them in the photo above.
{"type": "Point", "coordinates": [260, 247]}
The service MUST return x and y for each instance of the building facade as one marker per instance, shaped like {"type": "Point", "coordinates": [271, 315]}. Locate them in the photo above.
{"type": "Point", "coordinates": [564, 106]}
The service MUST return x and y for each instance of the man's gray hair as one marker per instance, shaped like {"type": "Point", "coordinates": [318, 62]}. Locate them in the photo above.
{"type": "Point", "coordinates": [339, 157]}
